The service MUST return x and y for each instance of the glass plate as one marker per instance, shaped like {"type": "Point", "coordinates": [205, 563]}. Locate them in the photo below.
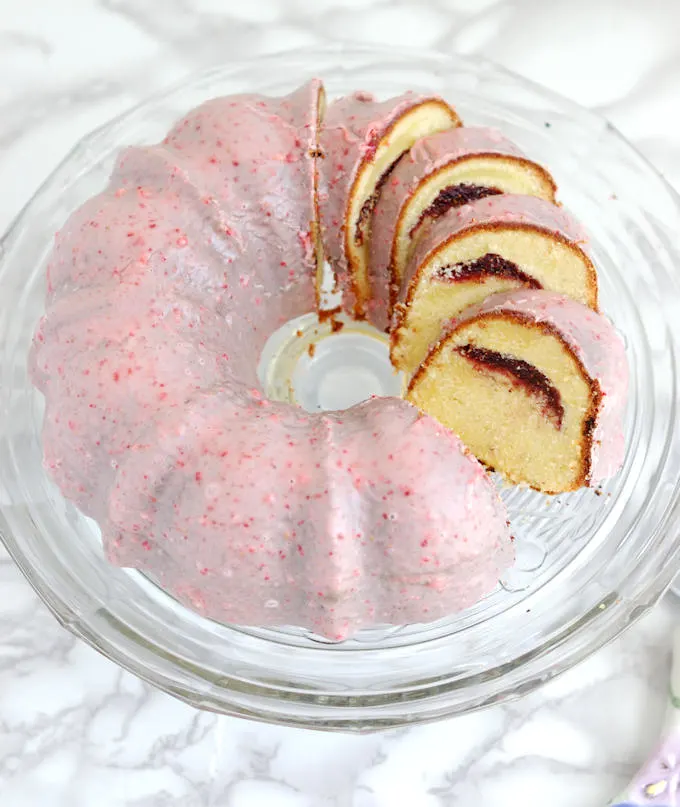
{"type": "Point", "coordinates": [588, 563]}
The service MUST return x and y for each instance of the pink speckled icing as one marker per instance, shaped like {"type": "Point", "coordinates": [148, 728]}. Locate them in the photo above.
{"type": "Point", "coordinates": [221, 210]}
{"type": "Point", "coordinates": [426, 157]}
{"type": "Point", "coordinates": [599, 348]}
{"type": "Point", "coordinates": [508, 208]}
{"type": "Point", "coordinates": [353, 127]}
{"type": "Point", "coordinates": [332, 522]}
{"type": "Point", "coordinates": [162, 291]}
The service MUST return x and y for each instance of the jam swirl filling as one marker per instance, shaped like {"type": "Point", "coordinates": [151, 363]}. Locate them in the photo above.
{"type": "Point", "coordinates": [454, 196]}
{"type": "Point", "coordinates": [520, 374]}
{"type": "Point", "coordinates": [489, 264]}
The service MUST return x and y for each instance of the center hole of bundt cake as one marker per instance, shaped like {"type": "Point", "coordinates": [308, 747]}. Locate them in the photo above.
{"type": "Point", "coordinates": [327, 365]}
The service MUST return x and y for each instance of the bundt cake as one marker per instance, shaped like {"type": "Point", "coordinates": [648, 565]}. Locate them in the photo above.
{"type": "Point", "coordinates": [162, 291]}
{"type": "Point", "coordinates": [443, 170]}
{"type": "Point", "coordinates": [361, 140]}
{"type": "Point", "coordinates": [535, 384]}
{"type": "Point", "coordinates": [494, 244]}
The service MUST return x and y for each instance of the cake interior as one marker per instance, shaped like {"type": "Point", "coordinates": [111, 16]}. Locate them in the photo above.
{"type": "Point", "coordinates": [443, 288]}
{"type": "Point", "coordinates": [502, 174]}
{"type": "Point", "coordinates": [526, 414]}
{"type": "Point", "coordinates": [425, 118]}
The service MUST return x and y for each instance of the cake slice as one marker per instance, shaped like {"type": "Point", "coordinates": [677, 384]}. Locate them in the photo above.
{"type": "Point", "coordinates": [492, 245]}
{"type": "Point", "coordinates": [535, 385]}
{"type": "Point", "coordinates": [360, 142]}
{"type": "Point", "coordinates": [443, 170]}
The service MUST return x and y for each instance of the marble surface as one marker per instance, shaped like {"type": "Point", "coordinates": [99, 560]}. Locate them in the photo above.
{"type": "Point", "coordinates": [75, 730]}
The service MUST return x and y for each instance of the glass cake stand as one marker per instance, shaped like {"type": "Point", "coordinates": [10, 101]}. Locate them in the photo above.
{"type": "Point", "coordinates": [588, 563]}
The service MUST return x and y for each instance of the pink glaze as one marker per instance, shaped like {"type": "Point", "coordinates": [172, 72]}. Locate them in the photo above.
{"type": "Point", "coordinates": [599, 348]}
{"type": "Point", "coordinates": [309, 520]}
{"type": "Point", "coordinates": [426, 157]}
{"type": "Point", "coordinates": [162, 291]}
{"type": "Point", "coordinates": [224, 207]}
{"type": "Point", "coordinates": [506, 209]}
{"type": "Point", "coordinates": [353, 127]}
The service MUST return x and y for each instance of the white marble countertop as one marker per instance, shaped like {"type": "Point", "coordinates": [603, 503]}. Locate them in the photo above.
{"type": "Point", "coordinates": [75, 730]}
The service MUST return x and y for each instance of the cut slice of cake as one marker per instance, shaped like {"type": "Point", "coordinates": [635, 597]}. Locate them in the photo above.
{"type": "Point", "coordinates": [360, 142]}
{"type": "Point", "coordinates": [444, 170]}
{"type": "Point", "coordinates": [535, 385]}
{"type": "Point", "coordinates": [492, 245]}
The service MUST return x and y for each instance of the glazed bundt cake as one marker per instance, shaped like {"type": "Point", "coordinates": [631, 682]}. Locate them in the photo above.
{"type": "Point", "coordinates": [494, 244]}
{"type": "Point", "coordinates": [535, 384]}
{"type": "Point", "coordinates": [162, 291]}
{"type": "Point", "coordinates": [444, 170]}
{"type": "Point", "coordinates": [361, 140]}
